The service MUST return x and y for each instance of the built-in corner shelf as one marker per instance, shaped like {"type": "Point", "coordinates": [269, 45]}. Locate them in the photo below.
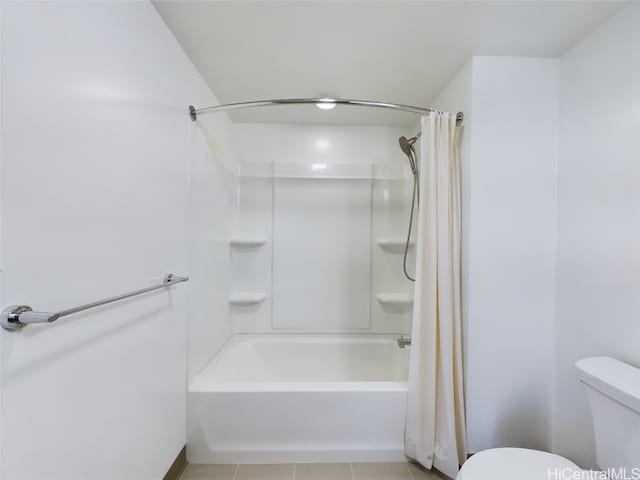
{"type": "Point", "coordinates": [246, 298]}
{"type": "Point", "coordinates": [247, 242]}
{"type": "Point", "coordinates": [395, 299]}
{"type": "Point", "coordinates": [393, 245]}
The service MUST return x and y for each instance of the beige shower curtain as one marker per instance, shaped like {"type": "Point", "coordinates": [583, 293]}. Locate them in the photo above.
{"type": "Point", "coordinates": [435, 430]}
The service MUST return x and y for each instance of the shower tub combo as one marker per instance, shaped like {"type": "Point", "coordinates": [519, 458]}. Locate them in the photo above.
{"type": "Point", "coordinates": [273, 398]}
{"type": "Point", "coordinates": [300, 398]}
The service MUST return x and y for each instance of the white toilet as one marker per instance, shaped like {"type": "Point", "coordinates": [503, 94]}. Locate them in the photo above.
{"type": "Point", "coordinates": [613, 389]}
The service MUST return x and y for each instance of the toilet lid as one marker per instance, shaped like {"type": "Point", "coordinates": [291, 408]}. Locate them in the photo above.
{"type": "Point", "coordinates": [516, 463]}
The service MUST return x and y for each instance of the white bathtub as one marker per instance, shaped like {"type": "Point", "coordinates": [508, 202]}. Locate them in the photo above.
{"type": "Point", "coordinates": [300, 398]}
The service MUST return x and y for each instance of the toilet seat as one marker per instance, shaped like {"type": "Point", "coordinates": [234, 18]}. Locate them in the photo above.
{"type": "Point", "coordinates": [515, 463]}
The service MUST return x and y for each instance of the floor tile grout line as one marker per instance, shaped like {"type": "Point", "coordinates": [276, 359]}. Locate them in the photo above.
{"type": "Point", "coordinates": [294, 471]}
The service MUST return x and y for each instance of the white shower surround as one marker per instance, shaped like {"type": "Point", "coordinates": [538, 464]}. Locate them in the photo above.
{"type": "Point", "coordinates": [300, 398]}
{"type": "Point", "coordinates": [321, 234]}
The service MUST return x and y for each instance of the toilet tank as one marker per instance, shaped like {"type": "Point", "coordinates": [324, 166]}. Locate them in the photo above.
{"type": "Point", "coordinates": [613, 389]}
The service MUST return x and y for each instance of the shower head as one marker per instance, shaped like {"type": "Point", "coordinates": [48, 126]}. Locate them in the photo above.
{"type": "Point", "coordinates": [406, 145]}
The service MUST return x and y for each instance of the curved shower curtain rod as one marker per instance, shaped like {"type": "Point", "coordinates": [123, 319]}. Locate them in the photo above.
{"type": "Point", "coordinates": [194, 112]}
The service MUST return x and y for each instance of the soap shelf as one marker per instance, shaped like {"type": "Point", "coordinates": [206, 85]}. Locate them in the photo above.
{"type": "Point", "coordinates": [246, 298]}
{"type": "Point", "coordinates": [397, 299]}
{"type": "Point", "coordinates": [247, 242]}
{"type": "Point", "coordinates": [393, 245]}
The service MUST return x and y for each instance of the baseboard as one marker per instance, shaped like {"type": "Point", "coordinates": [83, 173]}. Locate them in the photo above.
{"type": "Point", "coordinates": [178, 465]}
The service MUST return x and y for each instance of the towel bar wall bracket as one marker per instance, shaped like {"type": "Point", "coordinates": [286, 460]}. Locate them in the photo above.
{"type": "Point", "coordinates": [15, 317]}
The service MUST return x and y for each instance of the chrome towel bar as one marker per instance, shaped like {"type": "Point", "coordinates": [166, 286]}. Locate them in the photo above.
{"type": "Point", "coordinates": [17, 316]}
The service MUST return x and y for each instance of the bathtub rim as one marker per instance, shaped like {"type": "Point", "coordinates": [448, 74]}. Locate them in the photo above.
{"type": "Point", "coordinates": [299, 387]}
{"type": "Point", "coordinates": [199, 386]}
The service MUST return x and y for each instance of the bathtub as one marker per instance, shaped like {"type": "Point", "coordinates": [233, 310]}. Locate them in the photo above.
{"type": "Point", "coordinates": [300, 398]}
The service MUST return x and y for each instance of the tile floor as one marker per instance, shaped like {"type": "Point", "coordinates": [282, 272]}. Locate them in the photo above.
{"type": "Point", "coordinates": [310, 471]}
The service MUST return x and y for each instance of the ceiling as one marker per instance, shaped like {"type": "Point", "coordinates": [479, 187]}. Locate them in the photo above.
{"type": "Point", "coordinates": [392, 51]}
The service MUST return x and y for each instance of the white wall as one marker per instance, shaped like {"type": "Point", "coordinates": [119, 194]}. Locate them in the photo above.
{"type": "Point", "coordinates": [345, 144]}
{"type": "Point", "coordinates": [321, 267]}
{"type": "Point", "coordinates": [511, 252]}
{"type": "Point", "coordinates": [97, 151]}
{"type": "Point", "coordinates": [321, 255]}
{"type": "Point", "coordinates": [212, 211]}
{"type": "Point", "coordinates": [509, 168]}
{"type": "Point", "coordinates": [598, 279]}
